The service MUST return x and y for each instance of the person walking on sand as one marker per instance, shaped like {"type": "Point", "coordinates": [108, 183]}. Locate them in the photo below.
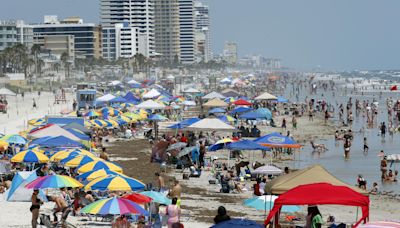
{"type": "Point", "coordinates": [174, 213]}
{"type": "Point", "coordinates": [294, 122]}
{"type": "Point", "coordinates": [284, 123]}
{"type": "Point", "coordinates": [34, 104]}
{"type": "Point", "coordinates": [365, 145]}
{"type": "Point", "coordinates": [36, 202]}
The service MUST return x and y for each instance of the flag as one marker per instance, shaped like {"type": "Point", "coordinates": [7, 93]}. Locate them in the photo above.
{"type": "Point", "coordinates": [393, 88]}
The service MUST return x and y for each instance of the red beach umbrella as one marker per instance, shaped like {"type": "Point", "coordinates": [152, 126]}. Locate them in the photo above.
{"type": "Point", "coordinates": [241, 102]}
{"type": "Point", "coordinates": [138, 198]}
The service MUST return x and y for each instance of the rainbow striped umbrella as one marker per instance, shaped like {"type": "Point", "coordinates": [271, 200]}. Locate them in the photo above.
{"type": "Point", "coordinates": [62, 154]}
{"type": "Point", "coordinates": [78, 160]}
{"type": "Point", "coordinates": [91, 175]}
{"type": "Point", "coordinates": [114, 206]}
{"type": "Point", "coordinates": [31, 156]}
{"type": "Point", "coordinates": [92, 113]}
{"type": "Point", "coordinates": [115, 183]}
{"type": "Point", "coordinates": [54, 181]}
{"type": "Point", "coordinates": [14, 138]}
{"type": "Point", "coordinates": [96, 165]}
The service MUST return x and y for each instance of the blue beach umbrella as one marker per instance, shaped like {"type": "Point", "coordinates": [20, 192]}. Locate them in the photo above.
{"type": "Point", "coordinates": [14, 138]}
{"type": "Point", "coordinates": [276, 140]}
{"type": "Point", "coordinates": [246, 145]}
{"type": "Point", "coordinates": [266, 202]}
{"type": "Point", "coordinates": [157, 197]}
{"type": "Point", "coordinates": [238, 223]}
{"type": "Point", "coordinates": [157, 117]}
{"type": "Point", "coordinates": [282, 99]}
{"type": "Point", "coordinates": [217, 110]}
{"type": "Point", "coordinates": [184, 123]}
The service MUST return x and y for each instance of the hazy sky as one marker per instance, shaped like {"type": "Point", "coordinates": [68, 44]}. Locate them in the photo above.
{"type": "Point", "coordinates": [333, 34]}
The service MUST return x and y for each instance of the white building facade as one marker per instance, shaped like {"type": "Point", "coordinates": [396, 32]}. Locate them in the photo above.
{"type": "Point", "coordinates": [15, 32]}
{"type": "Point", "coordinates": [186, 31]}
{"type": "Point", "coordinates": [121, 41]}
{"type": "Point", "coordinates": [137, 14]}
{"type": "Point", "coordinates": [202, 33]}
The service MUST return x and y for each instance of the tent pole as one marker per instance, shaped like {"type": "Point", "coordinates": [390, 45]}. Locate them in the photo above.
{"type": "Point", "coordinates": [356, 214]}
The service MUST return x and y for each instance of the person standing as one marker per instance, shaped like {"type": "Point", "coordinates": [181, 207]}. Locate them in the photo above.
{"type": "Point", "coordinates": [284, 123]}
{"type": "Point", "coordinates": [176, 192]}
{"type": "Point", "coordinates": [347, 145]}
{"type": "Point", "coordinates": [36, 202]}
{"type": "Point", "coordinates": [173, 212]}
{"type": "Point", "coordinates": [202, 153]}
{"type": "Point", "coordinates": [314, 218]}
{"type": "Point", "coordinates": [294, 122]}
{"type": "Point", "coordinates": [366, 148]}
{"type": "Point", "coordinates": [34, 103]}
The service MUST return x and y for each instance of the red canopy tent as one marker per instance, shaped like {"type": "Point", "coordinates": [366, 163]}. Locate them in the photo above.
{"type": "Point", "coordinates": [321, 193]}
{"type": "Point", "coordinates": [241, 102]}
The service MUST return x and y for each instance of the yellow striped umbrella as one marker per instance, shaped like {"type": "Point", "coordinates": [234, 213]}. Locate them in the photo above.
{"type": "Point", "coordinates": [96, 165]}
{"type": "Point", "coordinates": [3, 145]}
{"type": "Point", "coordinates": [81, 160]}
{"type": "Point", "coordinates": [30, 156]}
{"type": "Point", "coordinates": [60, 155]}
{"type": "Point", "coordinates": [115, 183]}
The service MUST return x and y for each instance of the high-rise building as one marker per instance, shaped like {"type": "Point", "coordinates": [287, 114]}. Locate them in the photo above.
{"type": "Point", "coordinates": [86, 35]}
{"type": "Point", "coordinates": [202, 32]}
{"type": "Point", "coordinates": [230, 52]}
{"type": "Point", "coordinates": [138, 14]}
{"type": "Point", "coordinates": [14, 32]}
{"type": "Point", "coordinates": [121, 41]}
{"type": "Point", "coordinates": [166, 18]}
{"type": "Point", "coordinates": [186, 31]}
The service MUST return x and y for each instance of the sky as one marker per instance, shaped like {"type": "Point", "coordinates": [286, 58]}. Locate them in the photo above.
{"type": "Point", "coordinates": [330, 34]}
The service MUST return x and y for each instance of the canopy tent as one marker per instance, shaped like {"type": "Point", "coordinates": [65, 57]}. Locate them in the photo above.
{"type": "Point", "coordinates": [216, 102]}
{"type": "Point", "coordinates": [191, 90]}
{"type": "Point", "coordinates": [226, 81]}
{"type": "Point", "coordinates": [261, 113]}
{"type": "Point", "coordinates": [310, 175]}
{"type": "Point", "coordinates": [152, 94]}
{"type": "Point", "coordinates": [189, 103]}
{"type": "Point", "coordinates": [238, 223]}
{"type": "Point", "coordinates": [184, 123]}
{"type": "Point", "coordinates": [59, 141]}
{"type": "Point", "coordinates": [18, 192]}
{"type": "Point", "coordinates": [213, 95]}
{"type": "Point", "coordinates": [265, 96]}
{"type": "Point", "coordinates": [381, 224]}
{"type": "Point", "coordinates": [77, 126]}
{"type": "Point", "coordinates": [52, 130]}
{"type": "Point", "coordinates": [240, 110]}
{"type": "Point", "coordinates": [133, 82]}
{"type": "Point", "coordinates": [105, 98]}
{"type": "Point", "coordinates": [282, 99]}
{"type": "Point", "coordinates": [321, 193]}
{"type": "Point", "coordinates": [267, 170]}
{"type": "Point", "coordinates": [7, 92]}
{"type": "Point", "coordinates": [246, 145]}
{"type": "Point", "coordinates": [230, 93]}
{"type": "Point", "coordinates": [131, 98]}
{"type": "Point", "coordinates": [217, 110]}
{"type": "Point", "coordinates": [150, 104]}
{"type": "Point", "coordinates": [241, 102]}
{"type": "Point", "coordinates": [118, 100]}
{"type": "Point", "coordinates": [210, 124]}
{"type": "Point", "coordinates": [114, 83]}
{"type": "Point", "coordinates": [79, 134]}
{"type": "Point", "coordinates": [276, 140]}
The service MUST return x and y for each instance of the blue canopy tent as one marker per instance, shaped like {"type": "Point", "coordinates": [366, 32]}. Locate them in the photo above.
{"type": "Point", "coordinates": [118, 100]}
{"type": "Point", "coordinates": [60, 141]}
{"type": "Point", "coordinates": [282, 99]}
{"type": "Point", "coordinates": [246, 145]}
{"type": "Point", "coordinates": [38, 141]}
{"type": "Point", "coordinates": [18, 192]}
{"type": "Point", "coordinates": [240, 109]}
{"type": "Point", "coordinates": [132, 98]}
{"type": "Point", "coordinates": [261, 113]}
{"type": "Point", "coordinates": [184, 123]}
{"type": "Point", "coordinates": [217, 110]}
{"type": "Point", "coordinates": [238, 223]}
{"type": "Point", "coordinates": [276, 140]}
{"type": "Point", "coordinates": [80, 135]}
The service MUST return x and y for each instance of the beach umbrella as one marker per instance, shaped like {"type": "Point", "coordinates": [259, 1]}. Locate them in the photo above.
{"type": "Point", "coordinates": [62, 154]}
{"type": "Point", "coordinates": [3, 145]}
{"type": "Point", "coordinates": [245, 145]}
{"type": "Point", "coordinates": [186, 151]}
{"type": "Point", "coordinates": [267, 170]}
{"type": "Point", "coordinates": [176, 146]}
{"type": "Point", "coordinates": [115, 183]}
{"type": "Point", "coordinates": [242, 102]}
{"type": "Point", "coordinates": [220, 144]}
{"type": "Point", "coordinates": [127, 105]}
{"type": "Point", "coordinates": [30, 156]}
{"type": "Point", "coordinates": [37, 121]}
{"type": "Point", "coordinates": [96, 165]}
{"type": "Point", "coordinates": [109, 111]}
{"type": "Point", "coordinates": [282, 99]}
{"type": "Point", "coordinates": [54, 181]}
{"type": "Point", "coordinates": [217, 110]}
{"type": "Point", "coordinates": [92, 114]}
{"type": "Point", "coordinates": [94, 174]}
{"type": "Point", "coordinates": [266, 202]}
{"type": "Point", "coordinates": [238, 223]}
{"type": "Point", "coordinates": [276, 140]}
{"type": "Point", "coordinates": [79, 160]}
{"type": "Point", "coordinates": [240, 109]}
{"type": "Point", "coordinates": [98, 123]}
{"type": "Point", "coordinates": [227, 118]}
{"type": "Point", "coordinates": [138, 198]}
{"type": "Point", "coordinates": [111, 123]}
{"type": "Point", "coordinates": [134, 117]}
{"type": "Point", "coordinates": [113, 206]}
{"type": "Point", "coordinates": [157, 117]}
{"type": "Point", "coordinates": [118, 100]}
{"type": "Point", "coordinates": [229, 99]}
{"type": "Point", "coordinates": [157, 197]}
{"type": "Point", "coordinates": [14, 138]}
{"type": "Point", "coordinates": [184, 123]}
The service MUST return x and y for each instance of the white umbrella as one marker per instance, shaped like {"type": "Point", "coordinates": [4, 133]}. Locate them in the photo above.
{"type": "Point", "coordinates": [152, 94]}
{"type": "Point", "coordinates": [266, 96]}
{"type": "Point", "coordinates": [211, 124]}
{"type": "Point", "coordinates": [213, 95]}
{"type": "Point", "coordinates": [150, 104]}
{"type": "Point", "coordinates": [267, 170]}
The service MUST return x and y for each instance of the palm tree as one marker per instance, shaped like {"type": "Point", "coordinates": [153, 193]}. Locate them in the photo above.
{"type": "Point", "coordinates": [56, 66]}
{"type": "Point", "coordinates": [35, 51]}
{"type": "Point", "coordinates": [139, 61]}
{"type": "Point", "coordinates": [65, 60]}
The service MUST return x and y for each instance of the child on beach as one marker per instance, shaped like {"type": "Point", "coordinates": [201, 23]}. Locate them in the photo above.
{"type": "Point", "coordinates": [365, 145]}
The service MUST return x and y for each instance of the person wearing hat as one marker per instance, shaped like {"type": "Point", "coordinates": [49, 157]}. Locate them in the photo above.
{"type": "Point", "coordinates": [314, 218]}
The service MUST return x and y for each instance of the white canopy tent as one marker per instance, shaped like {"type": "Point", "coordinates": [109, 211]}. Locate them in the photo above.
{"type": "Point", "coordinates": [53, 130]}
{"type": "Point", "coordinates": [189, 103]}
{"type": "Point", "coordinates": [114, 83]}
{"type": "Point", "coordinates": [266, 96]}
{"type": "Point", "coordinates": [210, 124]}
{"type": "Point", "coordinates": [152, 94]}
{"type": "Point", "coordinates": [133, 82]}
{"type": "Point", "coordinates": [150, 104]}
{"type": "Point", "coordinates": [213, 95]}
{"type": "Point", "coordinates": [106, 98]}
{"type": "Point", "coordinates": [191, 90]}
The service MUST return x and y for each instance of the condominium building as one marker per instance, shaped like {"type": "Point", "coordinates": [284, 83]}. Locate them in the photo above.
{"type": "Point", "coordinates": [137, 14]}
{"type": "Point", "coordinates": [202, 33]}
{"type": "Point", "coordinates": [14, 32]}
{"type": "Point", "coordinates": [59, 44]}
{"type": "Point", "coordinates": [166, 18]}
{"type": "Point", "coordinates": [86, 35]}
{"type": "Point", "coordinates": [186, 31]}
{"type": "Point", "coordinates": [230, 52]}
{"type": "Point", "coordinates": [121, 41]}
